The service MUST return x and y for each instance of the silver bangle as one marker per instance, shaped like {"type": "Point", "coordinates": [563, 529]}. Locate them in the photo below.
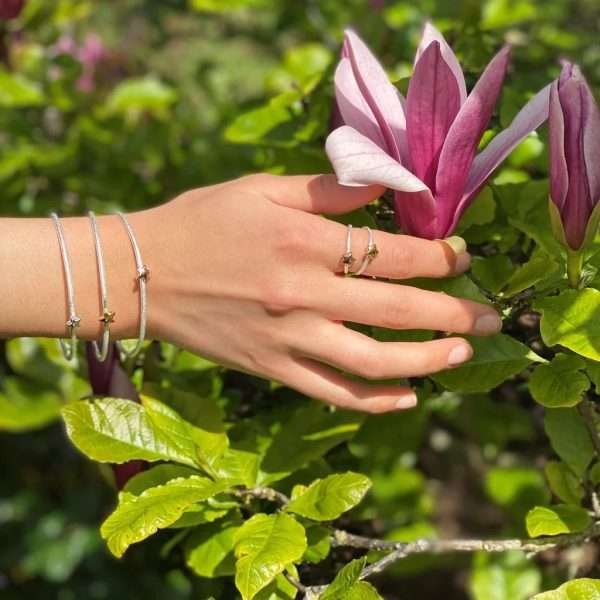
{"type": "Point", "coordinates": [108, 316]}
{"type": "Point", "coordinates": [142, 273]}
{"type": "Point", "coordinates": [69, 349]}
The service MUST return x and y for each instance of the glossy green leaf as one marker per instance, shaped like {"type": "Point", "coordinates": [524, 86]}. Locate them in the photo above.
{"type": "Point", "coordinates": [16, 91]}
{"type": "Point", "coordinates": [117, 430]}
{"type": "Point", "coordinates": [557, 519]}
{"type": "Point", "coordinates": [563, 482]}
{"type": "Point", "coordinates": [538, 268]}
{"type": "Point", "coordinates": [209, 550]}
{"type": "Point", "coordinates": [559, 383]}
{"type": "Point", "coordinates": [135, 96]}
{"type": "Point", "coordinates": [264, 545]}
{"type": "Point", "coordinates": [138, 517]}
{"type": "Point", "coordinates": [326, 499]}
{"type": "Point", "coordinates": [577, 589]}
{"type": "Point", "coordinates": [492, 272]}
{"type": "Point", "coordinates": [495, 359]}
{"type": "Point", "coordinates": [318, 543]}
{"type": "Point", "coordinates": [347, 584]}
{"type": "Point", "coordinates": [569, 438]}
{"type": "Point", "coordinates": [571, 320]}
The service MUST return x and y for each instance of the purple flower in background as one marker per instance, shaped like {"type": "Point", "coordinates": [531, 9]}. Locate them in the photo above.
{"type": "Point", "coordinates": [10, 9]}
{"type": "Point", "coordinates": [574, 157]}
{"type": "Point", "coordinates": [423, 147]}
{"type": "Point", "coordinates": [90, 54]}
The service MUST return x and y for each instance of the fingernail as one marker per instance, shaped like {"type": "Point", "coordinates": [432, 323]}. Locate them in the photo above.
{"type": "Point", "coordinates": [488, 324]}
{"type": "Point", "coordinates": [463, 261]}
{"type": "Point", "coordinates": [407, 401]}
{"type": "Point", "coordinates": [457, 244]}
{"type": "Point", "coordinates": [459, 354]}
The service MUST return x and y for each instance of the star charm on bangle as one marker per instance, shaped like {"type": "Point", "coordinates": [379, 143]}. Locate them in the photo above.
{"type": "Point", "coordinates": [73, 322]}
{"type": "Point", "coordinates": [108, 316]}
{"type": "Point", "coordinates": [143, 272]}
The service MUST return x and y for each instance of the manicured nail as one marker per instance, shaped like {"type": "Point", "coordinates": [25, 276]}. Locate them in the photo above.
{"type": "Point", "coordinates": [459, 354]}
{"type": "Point", "coordinates": [407, 401]}
{"type": "Point", "coordinates": [488, 324]}
{"type": "Point", "coordinates": [457, 244]}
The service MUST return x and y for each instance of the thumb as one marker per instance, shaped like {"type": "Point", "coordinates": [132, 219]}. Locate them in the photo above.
{"type": "Point", "coordinates": [319, 193]}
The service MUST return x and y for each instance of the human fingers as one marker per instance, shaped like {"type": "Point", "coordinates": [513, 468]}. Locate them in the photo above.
{"type": "Point", "coordinates": [398, 306]}
{"type": "Point", "coordinates": [398, 256]}
{"type": "Point", "coordinates": [324, 383]}
{"type": "Point", "coordinates": [314, 193]}
{"type": "Point", "coordinates": [351, 351]}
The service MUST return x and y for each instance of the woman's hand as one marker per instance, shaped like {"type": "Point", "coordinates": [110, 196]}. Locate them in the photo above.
{"type": "Point", "coordinates": [246, 273]}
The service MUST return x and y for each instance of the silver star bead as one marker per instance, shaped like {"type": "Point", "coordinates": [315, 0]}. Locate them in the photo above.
{"type": "Point", "coordinates": [108, 316]}
{"type": "Point", "coordinates": [143, 272]}
{"type": "Point", "coordinates": [73, 322]}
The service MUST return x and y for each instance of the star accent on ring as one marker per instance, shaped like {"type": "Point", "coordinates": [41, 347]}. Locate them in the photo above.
{"type": "Point", "coordinates": [108, 316]}
{"type": "Point", "coordinates": [372, 252]}
{"type": "Point", "coordinates": [348, 259]}
{"type": "Point", "coordinates": [73, 322]}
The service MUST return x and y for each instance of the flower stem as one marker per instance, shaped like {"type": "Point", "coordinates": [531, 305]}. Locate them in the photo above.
{"type": "Point", "coordinates": [574, 265]}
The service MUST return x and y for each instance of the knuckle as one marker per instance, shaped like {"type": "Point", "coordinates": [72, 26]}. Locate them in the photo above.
{"type": "Point", "coordinates": [258, 181]}
{"type": "Point", "coordinates": [281, 292]}
{"type": "Point", "coordinates": [289, 239]}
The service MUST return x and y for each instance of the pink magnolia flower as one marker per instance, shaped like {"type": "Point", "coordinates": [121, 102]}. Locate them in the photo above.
{"type": "Point", "coordinates": [574, 157]}
{"type": "Point", "coordinates": [90, 54]}
{"type": "Point", "coordinates": [423, 147]}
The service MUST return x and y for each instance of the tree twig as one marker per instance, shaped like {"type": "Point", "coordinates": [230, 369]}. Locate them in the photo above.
{"type": "Point", "coordinates": [264, 493]}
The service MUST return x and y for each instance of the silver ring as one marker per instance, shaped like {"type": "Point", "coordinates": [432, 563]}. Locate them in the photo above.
{"type": "Point", "coordinates": [370, 254]}
{"type": "Point", "coordinates": [347, 258]}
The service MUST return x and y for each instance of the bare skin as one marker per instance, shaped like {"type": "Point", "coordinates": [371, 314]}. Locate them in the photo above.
{"type": "Point", "coordinates": [247, 273]}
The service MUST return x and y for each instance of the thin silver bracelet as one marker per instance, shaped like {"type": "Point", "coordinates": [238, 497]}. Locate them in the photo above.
{"type": "Point", "coordinates": [69, 349]}
{"type": "Point", "coordinates": [142, 273]}
{"type": "Point", "coordinates": [108, 316]}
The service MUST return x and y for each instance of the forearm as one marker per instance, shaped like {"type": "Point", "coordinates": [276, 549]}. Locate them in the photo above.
{"type": "Point", "coordinates": [33, 300]}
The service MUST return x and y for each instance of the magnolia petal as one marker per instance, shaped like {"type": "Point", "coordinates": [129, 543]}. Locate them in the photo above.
{"type": "Point", "coordinates": [591, 143]}
{"type": "Point", "coordinates": [529, 118]}
{"type": "Point", "coordinates": [461, 143]}
{"type": "Point", "coordinates": [577, 206]}
{"type": "Point", "coordinates": [432, 105]}
{"type": "Point", "coordinates": [415, 214]}
{"type": "Point", "coordinates": [352, 105]}
{"type": "Point", "coordinates": [431, 34]}
{"type": "Point", "coordinates": [559, 174]}
{"type": "Point", "coordinates": [359, 161]}
{"type": "Point", "coordinates": [379, 93]}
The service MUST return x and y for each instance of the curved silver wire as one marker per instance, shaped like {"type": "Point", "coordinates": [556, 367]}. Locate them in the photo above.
{"type": "Point", "coordinates": [142, 273]}
{"type": "Point", "coordinates": [370, 253]}
{"type": "Point", "coordinates": [69, 349]}
{"type": "Point", "coordinates": [108, 316]}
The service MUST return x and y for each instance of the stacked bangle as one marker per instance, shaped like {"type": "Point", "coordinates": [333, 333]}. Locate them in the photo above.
{"type": "Point", "coordinates": [108, 316]}
{"type": "Point", "coordinates": [142, 273]}
{"type": "Point", "coordinates": [69, 349]}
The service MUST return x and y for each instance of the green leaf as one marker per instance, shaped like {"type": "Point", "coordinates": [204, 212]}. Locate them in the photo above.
{"type": "Point", "coordinates": [563, 482]}
{"type": "Point", "coordinates": [554, 520]}
{"type": "Point", "coordinates": [326, 499]}
{"type": "Point", "coordinates": [18, 92]}
{"type": "Point", "coordinates": [347, 584]}
{"type": "Point", "coordinates": [218, 6]}
{"type": "Point", "coordinates": [571, 320]}
{"type": "Point", "coordinates": [503, 13]}
{"type": "Point", "coordinates": [117, 430]}
{"type": "Point", "coordinates": [238, 466]}
{"type": "Point", "coordinates": [209, 550]}
{"type": "Point", "coordinates": [318, 544]}
{"type": "Point", "coordinates": [495, 359]}
{"type": "Point", "coordinates": [155, 476]}
{"type": "Point", "coordinates": [133, 97]}
{"type": "Point", "coordinates": [460, 287]}
{"type": "Point", "coordinates": [509, 576]}
{"type": "Point", "coordinates": [25, 405]}
{"type": "Point", "coordinates": [569, 438]}
{"type": "Point", "coordinates": [481, 212]}
{"type": "Point", "coordinates": [593, 372]}
{"type": "Point", "coordinates": [538, 268]}
{"type": "Point", "coordinates": [559, 383]}
{"type": "Point", "coordinates": [306, 435]}
{"type": "Point", "coordinates": [492, 272]}
{"type": "Point", "coordinates": [577, 589]}
{"type": "Point", "coordinates": [264, 545]}
{"type": "Point", "coordinates": [138, 517]}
